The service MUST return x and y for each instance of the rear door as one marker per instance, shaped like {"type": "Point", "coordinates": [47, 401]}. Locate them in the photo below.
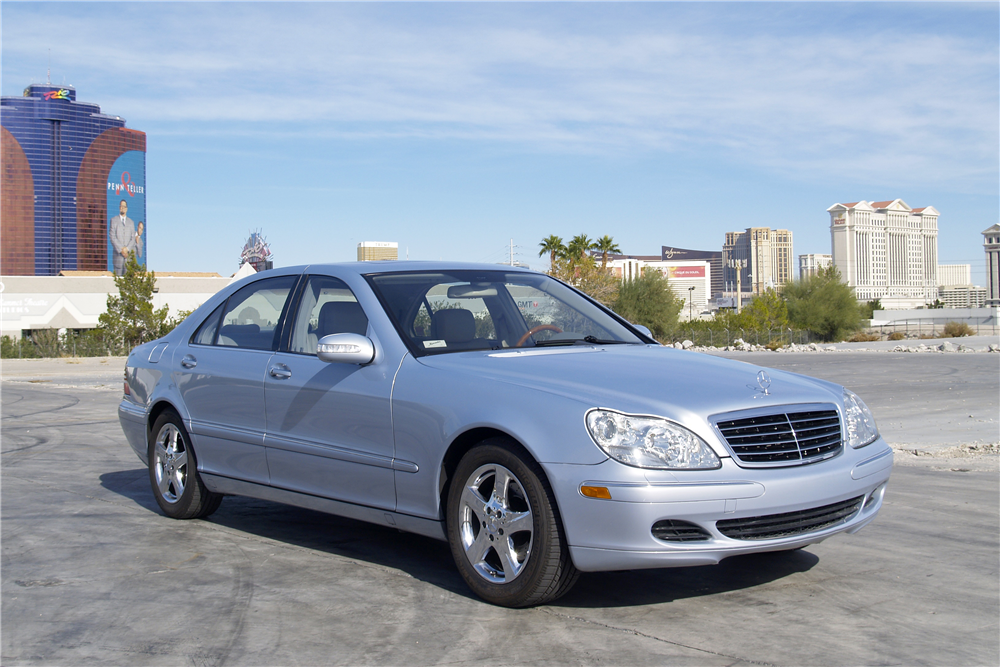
{"type": "Point", "coordinates": [221, 379]}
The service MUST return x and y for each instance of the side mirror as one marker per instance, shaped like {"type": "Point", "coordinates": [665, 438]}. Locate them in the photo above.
{"type": "Point", "coordinates": [643, 330]}
{"type": "Point", "coordinates": [346, 348]}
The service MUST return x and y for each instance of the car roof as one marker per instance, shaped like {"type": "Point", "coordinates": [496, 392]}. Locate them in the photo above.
{"type": "Point", "coordinates": [396, 266]}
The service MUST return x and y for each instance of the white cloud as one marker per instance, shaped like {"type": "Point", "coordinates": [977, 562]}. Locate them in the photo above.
{"type": "Point", "coordinates": [878, 106]}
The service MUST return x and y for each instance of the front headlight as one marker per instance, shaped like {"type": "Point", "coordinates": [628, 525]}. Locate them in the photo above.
{"type": "Point", "coordinates": [861, 428]}
{"type": "Point", "coordinates": [649, 442]}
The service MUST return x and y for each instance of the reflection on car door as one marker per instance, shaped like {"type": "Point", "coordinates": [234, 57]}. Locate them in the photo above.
{"type": "Point", "coordinates": [221, 379]}
{"type": "Point", "coordinates": [329, 428]}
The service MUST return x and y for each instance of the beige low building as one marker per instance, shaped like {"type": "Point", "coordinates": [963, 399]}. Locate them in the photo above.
{"type": "Point", "coordinates": [76, 299]}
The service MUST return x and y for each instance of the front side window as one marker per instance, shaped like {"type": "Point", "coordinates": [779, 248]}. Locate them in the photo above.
{"type": "Point", "coordinates": [253, 313]}
{"type": "Point", "coordinates": [327, 306]}
{"type": "Point", "coordinates": [439, 312]}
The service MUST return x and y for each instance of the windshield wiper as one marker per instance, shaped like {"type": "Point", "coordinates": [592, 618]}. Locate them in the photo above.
{"type": "Point", "coordinates": [586, 340]}
{"type": "Point", "coordinates": [555, 343]}
{"type": "Point", "coordinates": [597, 341]}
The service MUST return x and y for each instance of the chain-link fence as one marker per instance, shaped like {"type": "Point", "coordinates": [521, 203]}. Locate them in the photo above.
{"type": "Point", "coordinates": [47, 343]}
{"type": "Point", "coordinates": [976, 326]}
{"type": "Point", "coordinates": [774, 338]}
{"type": "Point", "coordinates": [711, 337]}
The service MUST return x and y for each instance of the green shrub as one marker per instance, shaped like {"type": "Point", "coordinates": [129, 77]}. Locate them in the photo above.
{"type": "Point", "coordinates": [649, 301]}
{"type": "Point", "coordinates": [824, 304]}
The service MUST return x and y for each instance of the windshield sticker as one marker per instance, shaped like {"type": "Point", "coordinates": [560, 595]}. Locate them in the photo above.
{"type": "Point", "coordinates": [435, 343]}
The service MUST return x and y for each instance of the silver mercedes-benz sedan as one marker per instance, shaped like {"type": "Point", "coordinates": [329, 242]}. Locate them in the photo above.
{"type": "Point", "coordinates": [498, 409]}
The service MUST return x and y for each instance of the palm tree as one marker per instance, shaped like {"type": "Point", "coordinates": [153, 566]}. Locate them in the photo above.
{"type": "Point", "coordinates": [578, 247]}
{"type": "Point", "coordinates": [606, 245]}
{"type": "Point", "coordinates": [553, 245]}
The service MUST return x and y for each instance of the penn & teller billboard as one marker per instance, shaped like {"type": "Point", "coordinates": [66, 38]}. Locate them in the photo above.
{"type": "Point", "coordinates": [127, 211]}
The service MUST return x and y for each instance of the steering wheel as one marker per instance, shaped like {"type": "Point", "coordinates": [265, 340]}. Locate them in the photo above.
{"type": "Point", "coordinates": [533, 330]}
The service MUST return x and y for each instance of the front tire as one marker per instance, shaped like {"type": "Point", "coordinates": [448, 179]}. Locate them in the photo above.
{"type": "Point", "coordinates": [173, 472]}
{"type": "Point", "coordinates": [504, 528]}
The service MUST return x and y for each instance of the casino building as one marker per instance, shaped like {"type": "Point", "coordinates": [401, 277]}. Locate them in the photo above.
{"type": "Point", "coordinates": [67, 168]}
{"type": "Point", "coordinates": [886, 250]}
{"type": "Point", "coordinates": [695, 276]}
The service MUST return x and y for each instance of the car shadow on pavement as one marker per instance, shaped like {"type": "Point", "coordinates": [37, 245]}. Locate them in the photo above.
{"type": "Point", "coordinates": [642, 587]}
{"type": "Point", "coordinates": [430, 561]}
{"type": "Point", "coordinates": [423, 558]}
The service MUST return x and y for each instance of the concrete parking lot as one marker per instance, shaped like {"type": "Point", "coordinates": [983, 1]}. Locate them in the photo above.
{"type": "Point", "coordinates": [92, 573]}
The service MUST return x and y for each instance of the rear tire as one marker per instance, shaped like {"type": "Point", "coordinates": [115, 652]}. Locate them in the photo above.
{"type": "Point", "coordinates": [173, 472]}
{"type": "Point", "coordinates": [504, 528]}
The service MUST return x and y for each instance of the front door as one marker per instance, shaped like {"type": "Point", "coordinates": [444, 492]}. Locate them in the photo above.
{"type": "Point", "coordinates": [329, 425]}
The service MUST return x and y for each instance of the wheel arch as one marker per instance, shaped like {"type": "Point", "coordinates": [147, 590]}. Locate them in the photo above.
{"type": "Point", "coordinates": [157, 409]}
{"type": "Point", "coordinates": [460, 446]}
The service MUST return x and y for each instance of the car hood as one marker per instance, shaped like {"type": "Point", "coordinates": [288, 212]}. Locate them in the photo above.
{"type": "Point", "coordinates": [655, 380]}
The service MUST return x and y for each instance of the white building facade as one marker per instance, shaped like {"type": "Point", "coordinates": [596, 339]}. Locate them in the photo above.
{"type": "Point", "coordinates": [886, 250]}
{"type": "Point", "coordinates": [951, 275]}
{"type": "Point", "coordinates": [689, 280]}
{"type": "Point", "coordinates": [991, 244]}
{"type": "Point", "coordinates": [77, 299]}
{"type": "Point", "coordinates": [809, 265]}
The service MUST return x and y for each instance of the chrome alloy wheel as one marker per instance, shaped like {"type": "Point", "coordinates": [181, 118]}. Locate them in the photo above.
{"type": "Point", "coordinates": [170, 463]}
{"type": "Point", "coordinates": [496, 524]}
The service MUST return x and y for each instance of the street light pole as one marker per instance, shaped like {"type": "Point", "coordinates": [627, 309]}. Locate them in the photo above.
{"type": "Point", "coordinates": [739, 265]}
{"type": "Point", "coordinates": [690, 303]}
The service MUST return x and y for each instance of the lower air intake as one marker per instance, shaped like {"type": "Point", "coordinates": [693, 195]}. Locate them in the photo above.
{"type": "Point", "coordinates": [790, 523]}
{"type": "Point", "coordinates": [670, 530]}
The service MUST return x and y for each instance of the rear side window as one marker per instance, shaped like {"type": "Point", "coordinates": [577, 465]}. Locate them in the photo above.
{"type": "Point", "coordinates": [252, 315]}
{"type": "Point", "coordinates": [205, 335]}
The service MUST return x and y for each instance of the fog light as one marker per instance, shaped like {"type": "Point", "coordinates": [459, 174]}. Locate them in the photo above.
{"type": "Point", "coordinates": [874, 496]}
{"type": "Point", "coordinates": [596, 492]}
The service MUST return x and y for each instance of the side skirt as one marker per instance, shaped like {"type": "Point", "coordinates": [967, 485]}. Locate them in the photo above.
{"type": "Point", "coordinates": [411, 524]}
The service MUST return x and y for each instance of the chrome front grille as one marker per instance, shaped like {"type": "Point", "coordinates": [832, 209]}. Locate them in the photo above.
{"type": "Point", "coordinates": [790, 523]}
{"type": "Point", "coordinates": [789, 438]}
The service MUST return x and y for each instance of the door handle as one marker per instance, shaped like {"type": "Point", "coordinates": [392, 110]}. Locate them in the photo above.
{"type": "Point", "coordinates": [280, 371]}
{"type": "Point", "coordinates": [188, 361]}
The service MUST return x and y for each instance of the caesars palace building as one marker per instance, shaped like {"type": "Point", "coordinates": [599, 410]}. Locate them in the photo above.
{"type": "Point", "coordinates": [886, 250]}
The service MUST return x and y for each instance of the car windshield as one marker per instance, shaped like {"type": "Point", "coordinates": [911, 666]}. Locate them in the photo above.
{"type": "Point", "coordinates": [451, 311]}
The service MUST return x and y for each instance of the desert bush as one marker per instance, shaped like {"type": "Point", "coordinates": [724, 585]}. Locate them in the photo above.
{"type": "Point", "coordinates": [957, 330]}
{"type": "Point", "coordinates": [897, 335]}
{"type": "Point", "coordinates": [863, 337]}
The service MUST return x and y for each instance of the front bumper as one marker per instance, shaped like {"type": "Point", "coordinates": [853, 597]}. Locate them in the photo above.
{"type": "Point", "coordinates": [617, 534]}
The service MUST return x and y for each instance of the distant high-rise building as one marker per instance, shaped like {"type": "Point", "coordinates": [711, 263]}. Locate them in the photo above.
{"type": "Point", "coordinates": [765, 255]}
{"type": "Point", "coordinates": [74, 185]}
{"type": "Point", "coordinates": [886, 250]}
{"type": "Point", "coordinates": [809, 265]}
{"type": "Point", "coordinates": [374, 250]}
{"type": "Point", "coordinates": [991, 243]}
{"type": "Point", "coordinates": [954, 275]}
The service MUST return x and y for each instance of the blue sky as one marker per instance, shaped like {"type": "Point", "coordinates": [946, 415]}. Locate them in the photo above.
{"type": "Point", "coordinates": [453, 128]}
